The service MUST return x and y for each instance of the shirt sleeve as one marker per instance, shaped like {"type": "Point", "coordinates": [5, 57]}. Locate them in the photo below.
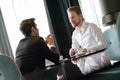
{"type": "Point", "coordinates": [47, 53]}
{"type": "Point", "coordinates": [98, 36]}
{"type": "Point", "coordinates": [75, 44]}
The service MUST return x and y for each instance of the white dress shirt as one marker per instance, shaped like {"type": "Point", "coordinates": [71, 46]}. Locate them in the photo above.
{"type": "Point", "coordinates": [90, 36]}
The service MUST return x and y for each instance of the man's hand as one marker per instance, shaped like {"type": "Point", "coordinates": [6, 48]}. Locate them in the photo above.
{"type": "Point", "coordinates": [49, 40]}
{"type": "Point", "coordinates": [84, 50]}
{"type": "Point", "coordinates": [72, 52]}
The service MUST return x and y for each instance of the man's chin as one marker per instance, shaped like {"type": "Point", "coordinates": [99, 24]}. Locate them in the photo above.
{"type": "Point", "coordinates": [73, 26]}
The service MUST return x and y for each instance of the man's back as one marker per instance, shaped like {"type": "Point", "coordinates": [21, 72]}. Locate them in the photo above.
{"type": "Point", "coordinates": [31, 53]}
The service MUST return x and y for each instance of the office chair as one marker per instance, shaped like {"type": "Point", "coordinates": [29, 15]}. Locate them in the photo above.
{"type": "Point", "coordinates": [8, 69]}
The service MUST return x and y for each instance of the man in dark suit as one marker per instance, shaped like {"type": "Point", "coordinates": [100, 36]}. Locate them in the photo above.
{"type": "Point", "coordinates": [33, 50]}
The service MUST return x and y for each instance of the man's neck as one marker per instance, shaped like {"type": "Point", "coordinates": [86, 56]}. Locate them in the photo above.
{"type": "Point", "coordinates": [80, 24]}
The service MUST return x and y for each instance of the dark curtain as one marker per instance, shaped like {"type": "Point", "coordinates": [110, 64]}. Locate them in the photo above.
{"type": "Point", "coordinates": [59, 23]}
{"type": "Point", "coordinates": [62, 29]}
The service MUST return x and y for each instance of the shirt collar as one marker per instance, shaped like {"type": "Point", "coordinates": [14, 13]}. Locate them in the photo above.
{"type": "Point", "coordinates": [82, 28]}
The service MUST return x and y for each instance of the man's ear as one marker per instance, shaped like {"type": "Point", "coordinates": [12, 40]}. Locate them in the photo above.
{"type": "Point", "coordinates": [80, 15]}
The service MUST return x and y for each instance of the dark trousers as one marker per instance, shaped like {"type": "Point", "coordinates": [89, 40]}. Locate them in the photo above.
{"type": "Point", "coordinates": [67, 69]}
{"type": "Point", "coordinates": [70, 71]}
{"type": "Point", "coordinates": [42, 74]}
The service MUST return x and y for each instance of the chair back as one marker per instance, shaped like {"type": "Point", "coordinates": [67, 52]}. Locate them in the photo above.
{"type": "Point", "coordinates": [112, 36]}
{"type": "Point", "coordinates": [8, 69]}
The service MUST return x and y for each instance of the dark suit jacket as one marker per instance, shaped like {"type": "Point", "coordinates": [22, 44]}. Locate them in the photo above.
{"type": "Point", "coordinates": [32, 52]}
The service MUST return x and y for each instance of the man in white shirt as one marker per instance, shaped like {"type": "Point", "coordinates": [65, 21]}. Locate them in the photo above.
{"type": "Point", "coordinates": [89, 38]}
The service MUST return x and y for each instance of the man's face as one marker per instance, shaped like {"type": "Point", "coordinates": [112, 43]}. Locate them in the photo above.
{"type": "Point", "coordinates": [35, 31]}
{"type": "Point", "coordinates": [74, 19]}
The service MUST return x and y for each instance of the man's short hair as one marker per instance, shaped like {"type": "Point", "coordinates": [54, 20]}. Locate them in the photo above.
{"type": "Point", "coordinates": [75, 8]}
{"type": "Point", "coordinates": [26, 26]}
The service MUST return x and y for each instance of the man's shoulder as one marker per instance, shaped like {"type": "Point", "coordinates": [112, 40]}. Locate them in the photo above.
{"type": "Point", "coordinates": [75, 32]}
{"type": "Point", "coordinates": [90, 24]}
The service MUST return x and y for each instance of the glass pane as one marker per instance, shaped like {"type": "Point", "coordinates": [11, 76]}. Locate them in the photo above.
{"type": "Point", "coordinates": [91, 12]}
{"type": "Point", "coordinates": [14, 11]}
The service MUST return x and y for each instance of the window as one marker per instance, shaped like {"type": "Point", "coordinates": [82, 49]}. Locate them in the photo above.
{"type": "Point", "coordinates": [92, 12]}
{"type": "Point", "coordinates": [14, 11]}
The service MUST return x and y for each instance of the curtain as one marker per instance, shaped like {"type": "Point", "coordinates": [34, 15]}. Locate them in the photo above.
{"type": "Point", "coordinates": [5, 47]}
{"type": "Point", "coordinates": [59, 23]}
